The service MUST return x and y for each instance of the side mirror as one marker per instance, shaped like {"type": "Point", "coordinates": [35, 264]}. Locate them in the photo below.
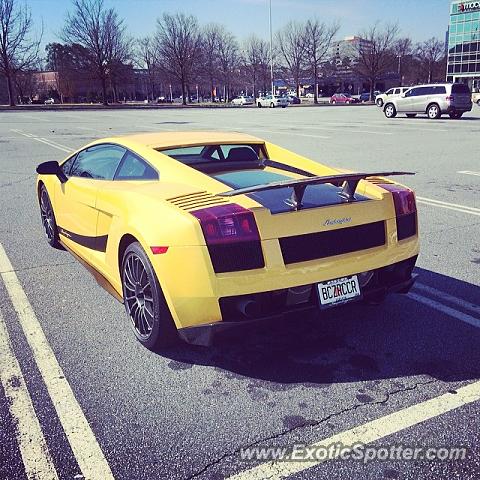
{"type": "Point", "coordinates": [52, 168]}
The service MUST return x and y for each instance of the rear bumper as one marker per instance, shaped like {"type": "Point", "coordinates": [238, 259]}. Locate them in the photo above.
{"type": "Point", "coordinates": [395, 278]}
{"type": "Point", "coordinates": [457, 109]}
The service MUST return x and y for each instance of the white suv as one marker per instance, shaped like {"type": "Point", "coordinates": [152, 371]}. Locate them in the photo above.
{"type": "Point", "coordinates": [272, 101]}
{"type": "Point", "coordinates": [381, 98]}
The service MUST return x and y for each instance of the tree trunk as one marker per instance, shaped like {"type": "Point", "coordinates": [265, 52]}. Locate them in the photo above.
{"type": "Point", "coordinates": [11, 97]}
{"type": "Point", "coordinates": [212, 91]}
{"type": "Point", "coordinates": [315, 85]}
{"type": "Point", "coordinates": [184, 93]}
{"type": "Point", "coordinates": [104, 91]}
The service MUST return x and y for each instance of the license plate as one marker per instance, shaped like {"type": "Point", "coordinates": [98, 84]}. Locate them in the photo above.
{"type": "Point", "coordinates": [338, 291]}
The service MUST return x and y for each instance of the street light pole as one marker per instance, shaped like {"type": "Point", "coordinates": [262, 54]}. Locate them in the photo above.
{"type": "Point", "coordinates": [399, 68]}
{"type": "Point", "coordinates": [271, 46]}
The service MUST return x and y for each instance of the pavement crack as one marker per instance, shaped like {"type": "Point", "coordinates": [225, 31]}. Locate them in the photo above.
{"type": "Point", "coordinates": [311, 423]}
{"type": "Point", "coordinates": [39, 266]}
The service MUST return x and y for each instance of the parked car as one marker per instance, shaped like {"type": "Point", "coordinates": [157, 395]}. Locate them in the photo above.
{"type": "Point", "coordinates": [309, 95]}
{"type": "Point", "coordinates": [434, 100]}
{"type": "Point", "coordinates": [49, 101]}
{"type": "Point", "coordinates": [355, 237]}
{"type": "Point", "coordinates": [242, 100]}
{"type": "Point", "coordinates": [381, 98]}
{"type": "Point", "coordinates": [272, 101]}
{"type": "Point", "coordinates": [476, 98]}
{"type": "Point", "coordinates": [293, 99]}
{"type": "Point", "coordinates": [342, 98]}
{"type": "Point", "coordinates": [366, 97]}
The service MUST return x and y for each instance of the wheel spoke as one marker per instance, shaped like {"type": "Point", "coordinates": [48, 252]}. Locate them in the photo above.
{"type": "Point", "coordinates": [147, 323]}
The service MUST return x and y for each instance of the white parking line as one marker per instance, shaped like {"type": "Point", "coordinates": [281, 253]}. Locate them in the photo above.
{"type": "Point", "coordinates": [82, 440]}
{"type": "Point", "coordinates": [51, 143]}
{"type": "Point", "coordinates": [471, 307]}
{"type": "Point", "coordinates": [370, 432]}
{"type": "Point", "coordinates": [449, 206]}
{"type": "Point", "coordinates": [31, 442]}
{"type": "Point", "coordinates": [440, 307]}
{"type": "Point", "coordinates": [468, 172]}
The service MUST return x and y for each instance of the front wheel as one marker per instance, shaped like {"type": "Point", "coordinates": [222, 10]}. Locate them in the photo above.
{"type": "Point", "coordinates": [478, 102]}
{"type": "Point", "coordinates": [144, 301]}
{"type": "Point", "coordinates": [272, 105]}
{"type": "Point", "coordinates": [48, 219]}
{"type": "Point", "coordinates": [333, 102]}
{"type": "Point", "coordinates": [390, 111]}
{"type": "Point", "coordinates": [411, 115]}
{"type": "Point", "coordinates": [259, 105]}
{"type": "Point", "coordinates": [433, 111]}
{"type": "Point", "coordinates": [379, 102]}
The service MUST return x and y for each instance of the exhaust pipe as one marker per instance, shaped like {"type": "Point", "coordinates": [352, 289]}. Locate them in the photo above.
{"type": "Point", "coordinates": [249, 308]}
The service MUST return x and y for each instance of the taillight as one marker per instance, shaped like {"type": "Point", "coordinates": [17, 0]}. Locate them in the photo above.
{"type": "Point", "coordinates": [450, 98]}
{"type": "Point", "coordinates": [227, 224]}
{"type": "Point", "coordinates": [405, 210]}
{"type": "Point", "coordinates": [232, 237]}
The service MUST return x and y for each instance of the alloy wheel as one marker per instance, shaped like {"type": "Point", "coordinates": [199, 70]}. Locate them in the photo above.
{"type": "Point", "coordinates": [46, 212]}
{"type": "Point", "coordinates": [138, 295]}
{"type": "Point", "coordinates": [433, 112]}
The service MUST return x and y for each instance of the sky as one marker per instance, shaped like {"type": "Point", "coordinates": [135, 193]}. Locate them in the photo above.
{"type": "Point", "coordinates": [418, 19]}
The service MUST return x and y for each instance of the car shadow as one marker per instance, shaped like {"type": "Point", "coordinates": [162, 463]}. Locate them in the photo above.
{"type": "Point", "coordinates": [400, 338]}
{"type": "Point", "coordinates": [443, 119]}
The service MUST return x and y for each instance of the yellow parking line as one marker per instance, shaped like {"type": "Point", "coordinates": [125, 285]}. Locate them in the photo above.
{"type": "Point", "coordinates": [31, 442]}
{"type": "Point", "coordinates": [369, 432]}
{"type": "Point", "coordinates": [85, 447]}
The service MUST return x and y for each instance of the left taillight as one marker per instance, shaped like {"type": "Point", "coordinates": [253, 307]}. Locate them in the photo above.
{"type": "Point", "coordinates": [405, 210]}
{"type": "Point", "coordinates": [232, 237]}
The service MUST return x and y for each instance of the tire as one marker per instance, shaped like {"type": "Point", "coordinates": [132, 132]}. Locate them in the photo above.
{"type": "Point", "coordinates": [455, 115]}
{"type": "Point", "coordinates": [478, 102]}
{"type": "Point", "coordinates": [390, 111]}
{"type": "Point", "coordinates": [48, 219]}
{"type": "Point", "coordinates": [144, 301]}
{"type": "Point", "coordinates": [259, 105]}
{"type": "Point", "coordinates": [411, 115]}
{"type": "Point", "coordinates": [433, 111]}
{"type": "Point", "coordinates": [284, 106]}
{"type": "Point", "coordinates": [272, 105]}
{"type": "Point", "coordinates": [334, 102]}
{"type": "Point", "coordinates": [379, 102]}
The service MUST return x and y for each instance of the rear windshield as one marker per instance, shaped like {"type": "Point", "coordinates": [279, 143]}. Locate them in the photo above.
{"type": "Point", "coordinates": [460, 88]}
{"type": "Point", "coordinates": [201, 154]}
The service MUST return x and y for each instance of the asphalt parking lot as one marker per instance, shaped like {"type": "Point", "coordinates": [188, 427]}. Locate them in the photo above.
{"type": "Point", "coordinates": [188, 412]}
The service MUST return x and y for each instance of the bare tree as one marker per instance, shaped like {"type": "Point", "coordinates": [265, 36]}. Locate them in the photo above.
{"type": "Point", "coordinates": [101, 33]}
{"type": "Point", "coordinates": [375, 53]}
{"type": "Point", "coordinates": [403, 51]}
{"type": "Point", "coordinates": [228, 60]}
{"type": "Point", "coordinates": [211, 35]}
{"type": "Point", "coordinates": [145, 58]}
{"type": "Point", "coordinates": [318, 40]}
{"type": "Point", "coordinates": [429, 54]}
{"type": "Point", "coordinates": [256, 58]}
{"type": "Point", "coordinates": [178, 46]}
{"type": "Point", "coordinates": [18, 50]}
{"type": "Point", "coordinates": [291, 45]}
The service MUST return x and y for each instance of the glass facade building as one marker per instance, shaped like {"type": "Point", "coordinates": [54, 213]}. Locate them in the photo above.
{"type": "Point", "coordinates": [463, 63]}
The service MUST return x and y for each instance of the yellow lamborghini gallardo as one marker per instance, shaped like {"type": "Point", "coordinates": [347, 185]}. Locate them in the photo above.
{"type": "Point", "coordinates": [198, 231]}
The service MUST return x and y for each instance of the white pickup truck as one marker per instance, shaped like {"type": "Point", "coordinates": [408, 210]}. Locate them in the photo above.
{"type": "Point", "coordinates": [272, 101]}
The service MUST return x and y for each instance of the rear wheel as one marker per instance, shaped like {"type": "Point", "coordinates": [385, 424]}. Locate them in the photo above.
{"type": "Point", "coordinates": [334, 102]}
{"type": "Point", "coordinates": [379, 102]}
{"type": "Point", "coordinates": [411, 115]}
{"type": "Point", "coordinates": [390, 110]}
{"type": "Point", "coordinates": [433, 111]}
{"type": "Point", "coordinates": [144, 301]}
{"type": "Point", "coordinates": [259, 105]}
{"type": "Point", "coordinates": [455, 115]}
{"type": "Point", "coordinates": [48, 219]}
{"type": "Point", "coordinates": [272, 105]}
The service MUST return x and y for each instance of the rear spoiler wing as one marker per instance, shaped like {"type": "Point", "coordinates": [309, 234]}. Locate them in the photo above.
{"type": "Point", "coordinates": [349, 180]}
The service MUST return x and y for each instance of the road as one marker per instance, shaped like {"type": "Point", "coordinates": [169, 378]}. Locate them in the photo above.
{"type": "Point", "coordinates": [80, 398]}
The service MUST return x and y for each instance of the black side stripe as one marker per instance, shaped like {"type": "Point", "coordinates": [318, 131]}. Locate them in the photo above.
{"type": "Point", "coordinates": [94, 243]}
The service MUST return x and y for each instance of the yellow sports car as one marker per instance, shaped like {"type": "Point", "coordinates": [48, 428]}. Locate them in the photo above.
{"type": "Point", "coordinates": [198, 231]}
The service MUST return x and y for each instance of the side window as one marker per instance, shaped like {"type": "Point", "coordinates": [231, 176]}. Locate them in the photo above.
{"type": "Point", "coordinates": [98, 162]}
{"type": "Point", "coordinates": [411, 92]}
{"type": "Point", "coordinates": [439, 90]}
{"type": "Point", "coordinates": [67, 165]}
{"type": "Point", "coordinates": [134, 168]}
{"type": "Point", "coordinates": [389, 92]}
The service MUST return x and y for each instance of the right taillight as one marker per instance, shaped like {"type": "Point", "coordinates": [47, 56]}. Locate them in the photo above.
{"type": "Point", "coordinates": [232, 237]}
{"type": "Point", "coordinates": [405, 210]}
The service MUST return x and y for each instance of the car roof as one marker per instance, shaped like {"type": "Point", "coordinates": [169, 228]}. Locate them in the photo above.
{"type": "Point", "coordinates": [159, 140]}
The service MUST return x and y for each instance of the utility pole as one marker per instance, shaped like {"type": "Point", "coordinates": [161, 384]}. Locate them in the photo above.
{"type": "Point", "coordinates": [271, 46]}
